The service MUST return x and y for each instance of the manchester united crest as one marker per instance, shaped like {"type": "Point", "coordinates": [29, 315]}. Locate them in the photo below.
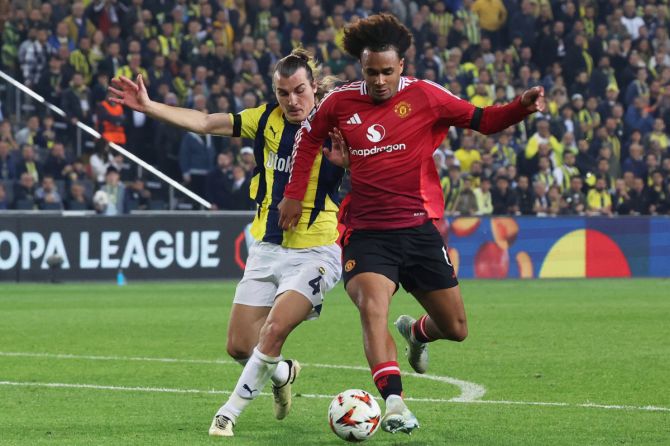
{"type": "Point", "coordinates": [349, 265]}
{"type": "Point", "coordinates": [403, 109]}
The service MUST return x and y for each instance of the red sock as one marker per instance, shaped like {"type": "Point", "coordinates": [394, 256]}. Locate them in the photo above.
{"type": "Point", "coordinates": [419, 330]}
{"type": "Point", "coordinates": [387, 378]}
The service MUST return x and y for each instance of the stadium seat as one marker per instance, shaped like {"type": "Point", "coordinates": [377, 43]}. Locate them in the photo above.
{"type": "Point", "coordinates": [52, 206]}
{"type": "Point", "coordinates": [74, 205]}
{"type": "Point", "coordinates": [132, 205]}
{"type": "Point", "coordinates": [157, 205]}
{"type": "Point", "coordinates": [25, 205]}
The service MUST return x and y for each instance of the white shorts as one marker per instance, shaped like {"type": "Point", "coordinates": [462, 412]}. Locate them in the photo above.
{"type": "Point", "coordinates": [272, 269]}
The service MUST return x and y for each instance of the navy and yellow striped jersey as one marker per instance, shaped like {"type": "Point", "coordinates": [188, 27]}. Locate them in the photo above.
{"type": "Point", "coordinates": [273, 139]}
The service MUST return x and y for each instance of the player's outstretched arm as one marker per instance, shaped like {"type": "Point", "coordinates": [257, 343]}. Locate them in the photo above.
{"type": "Point", "coordinates": [134, 95]}
{"type": "Point", "coordinates": [496, 118]}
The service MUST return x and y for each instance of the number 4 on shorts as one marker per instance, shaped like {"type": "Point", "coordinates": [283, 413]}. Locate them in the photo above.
{"type": "Point", "coordinates": [315, 283]}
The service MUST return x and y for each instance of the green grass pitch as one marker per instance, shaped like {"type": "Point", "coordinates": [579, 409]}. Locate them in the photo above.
{"type": "Point", "coordinates": [78, 366]}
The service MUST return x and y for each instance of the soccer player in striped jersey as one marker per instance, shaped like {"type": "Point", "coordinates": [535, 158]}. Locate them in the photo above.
{"type": "Point", "coordinates": [391, 125]}
{"type": "Point", "coordinates": [287, 272]}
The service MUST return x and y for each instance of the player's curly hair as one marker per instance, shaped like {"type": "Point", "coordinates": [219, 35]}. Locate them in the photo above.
{"type": "Point", "coordinates": [377, 33]}
{"type": "Point", "coordinates": [301, 58]}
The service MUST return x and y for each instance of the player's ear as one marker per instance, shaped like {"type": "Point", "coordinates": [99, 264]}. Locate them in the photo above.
{"type": "Point", "coordinates": [401, 64]}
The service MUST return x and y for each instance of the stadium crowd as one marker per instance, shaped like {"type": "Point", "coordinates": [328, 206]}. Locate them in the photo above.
{"type": "Point", "coordinates": [601, 147]}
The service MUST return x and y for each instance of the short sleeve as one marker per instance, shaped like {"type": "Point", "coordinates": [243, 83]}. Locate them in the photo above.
{"type": "Point", "coordinates": [245, 123]}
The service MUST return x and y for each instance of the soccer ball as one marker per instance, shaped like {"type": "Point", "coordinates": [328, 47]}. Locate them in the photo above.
{"type": "Point", "coordinates": [354, 415]}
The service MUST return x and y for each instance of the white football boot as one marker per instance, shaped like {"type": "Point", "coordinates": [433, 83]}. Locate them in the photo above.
{"type": "Point", "coordinates": [222, 426]}
{"type": "Point", "coordinates": [416, 352]}
{"type": "Point", "coordinates": [398, 417]}
{"type": "Point", "coordinates": [282, 394]}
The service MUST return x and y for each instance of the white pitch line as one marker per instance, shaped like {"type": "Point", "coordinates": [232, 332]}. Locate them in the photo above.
{"type": "Point", "coordinates": [468, 391]}
{"type": "Point", "coordinates": [320, 396]}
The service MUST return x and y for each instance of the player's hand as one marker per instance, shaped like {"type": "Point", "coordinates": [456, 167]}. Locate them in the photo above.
{"type": "Point", "coordinates": [131, 94]}
{"type": "Point", "coordinates": [533, 99]}
{"type": "Point", "coordinates": [290, 211]}
{"type": "Point", "coordinates": [338, 154]}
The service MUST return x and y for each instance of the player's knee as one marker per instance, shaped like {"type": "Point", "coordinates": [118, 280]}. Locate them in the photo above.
{"type": "Point", "coordinates": [460, 331]}
{"type": "Point", "coordinates": [237, 352]}
{"type": "Point", "coordinates": [371, 308]}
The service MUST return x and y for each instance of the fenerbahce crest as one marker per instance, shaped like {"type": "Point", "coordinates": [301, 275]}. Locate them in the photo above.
{"type": "Point", "coordinates": [402, 109]}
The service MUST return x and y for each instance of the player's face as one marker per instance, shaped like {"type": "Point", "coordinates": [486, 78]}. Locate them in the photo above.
{"type": "Point", "coordinates": [381, 71]}
{"type": "Point", "coordinates": [295, 95]}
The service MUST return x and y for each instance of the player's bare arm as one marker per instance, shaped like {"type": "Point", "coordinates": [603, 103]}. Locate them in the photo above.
{"type": "Point", "coordinates": [134, 95]}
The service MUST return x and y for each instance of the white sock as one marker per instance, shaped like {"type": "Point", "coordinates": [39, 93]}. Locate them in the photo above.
{"type": "Point", "coordinates": [281, 375]}
{"type": "Point", "coordinates": [256, 374]}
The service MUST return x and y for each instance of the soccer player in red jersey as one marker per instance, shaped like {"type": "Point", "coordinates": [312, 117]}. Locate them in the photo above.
{"type": "Point", "coordinates": [391, 125]}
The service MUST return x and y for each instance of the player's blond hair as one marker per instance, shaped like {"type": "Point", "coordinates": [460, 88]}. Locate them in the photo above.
{"type": "Point", "coordinates": [301, 58]}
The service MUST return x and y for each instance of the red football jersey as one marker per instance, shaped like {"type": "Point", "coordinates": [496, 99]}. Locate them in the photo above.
{"type": "Point", "coordinates": [394, 182]}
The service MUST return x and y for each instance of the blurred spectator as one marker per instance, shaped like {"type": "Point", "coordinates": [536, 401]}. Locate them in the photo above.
{"type": "Point", "coordinates": [29, 163]}
{"type": "Point", "coordinates": [635, 162]}
{"type": "Point", "coordinates": [30, 134]}
{"type": "Point", "coordinates": [57, 165]}
{"type": "Point", "coordinates": [33, 56]}
{"type": "Point", "coordinates": [525, 200]}
{"type": "Point", "coordinates": [555, 199]}
{"type": "Point", "coordinates": [219, 182]}
{"type": "Point", "coordinates": [111, 119]}
{"type": "Point", "coordinates": [47, 194]}
{"type": "Point", "coordinates": [78, 25]}
{"type": "Point", "coordinates": [112, 62]}
{"type": "Point", "coordinates": [639, 198]}
{"type": "Point", "coordinates": [196, 159]}
{"type": "Point", "coordinates": [492, 18]}
{"type": "Point", "coordinates": [467, 154]}
{"type": "Point", "coordinates": [658, 134]}
{"type": "Point", "coordinates": [101, 160]}
{"type": "Point", "coordinates": [483, 197]}
{"type": "Point", "coordinates": [137, 196]}
{"type": "Point", "coordinates": [24, 191]}
{"type": "Point", "coordinates": [452, 184]}
{"type": "Point", "coordinates": [544, 174]}
{"type": "Point", "coordinates": [657, 193]}
{"type": "Point", "coordinates": [541, 204]}
{"type": "Point", "coordinates": [584, 161]}
{"type": "Point", "coordinates": [247, 160]}
{"type": "Point", "coordinates": [7, 163]}
{"type": "Point", "coordinates": [564, 173]}
{"type": "Point", "coordinates": [599, 201]}
{"type": "Point", "coordinates": [115, 191]}
{"type": "Point", "coordinates": [522, 24]}
{"type": "Point", "coordinates": [7, 135]}
{"type": "Point", "coordinates": [77, 103]}
{"type": "Point", "coordinates": [574, 200]}
{"type": "Point", "coordinates": [503, 198]}
{"type": "Point", "coordinates": [53, 81]}
{"type": "Point", "coordinates": [240, 198]}
{"type": "Point", "coordinates": [77, 199]}
{"type": "Point", "coordinates": [60, 38]}
{"type": "Point", "coordinates": [466, 204]}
